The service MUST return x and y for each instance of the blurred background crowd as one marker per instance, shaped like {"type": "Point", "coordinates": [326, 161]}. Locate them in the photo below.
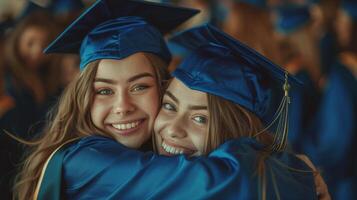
{"type": "Point", "coordinates": [316, 40]}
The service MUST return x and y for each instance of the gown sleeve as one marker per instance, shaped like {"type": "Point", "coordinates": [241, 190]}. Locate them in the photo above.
{"type": "Point", "coordinates": [100, 168]}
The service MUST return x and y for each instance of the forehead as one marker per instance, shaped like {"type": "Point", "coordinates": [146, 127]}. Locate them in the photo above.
{"type": "Point", "coordinates": [34, 32]}
{"type": "Point", "coordinates": [124, 68]}
{"type": "Point", "coordinates": [185, 94]}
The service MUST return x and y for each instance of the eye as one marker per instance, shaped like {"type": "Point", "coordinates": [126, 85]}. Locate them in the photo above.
{"type": "Point", "coordinates": [200, 119]}
{"type": "Point", "coordinates": [104, 92]}
{"type": "Point", "coordinates": [168, 106]}
{"type": "Point", "coordinates": [138, 88]}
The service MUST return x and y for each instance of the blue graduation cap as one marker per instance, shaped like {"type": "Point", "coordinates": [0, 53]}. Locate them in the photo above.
{"type": "Point", "coordinates": [115, 29]}
{"type": "Point", "coordinates": [291, 17]}
{"type": "Point", "coordinates": [59, 7]}
{"type": "Point", "coordinates": [350, 7]}
{"type": "Point", "coordinates": [223, 66]}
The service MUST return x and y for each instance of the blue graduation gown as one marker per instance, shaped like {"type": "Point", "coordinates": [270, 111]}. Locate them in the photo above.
{"type": "Point", "coordinates": [333, 142]}
{"type": "Point", "coordinates": [100, 168]}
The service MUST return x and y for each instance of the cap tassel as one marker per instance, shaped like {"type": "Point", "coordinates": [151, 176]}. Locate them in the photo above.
{"type": "Point", "coordinates": [282, 119]}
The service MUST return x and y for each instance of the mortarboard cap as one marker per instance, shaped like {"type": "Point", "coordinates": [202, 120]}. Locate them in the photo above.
{"type": "Point", "coordinates": [350, 7]}
{"type": "Point", "coordinates": [115, 29]}
{"type": "Point", "coordinates": [291, 17]}
{"type": "Point", "coordinates": [223, 66]}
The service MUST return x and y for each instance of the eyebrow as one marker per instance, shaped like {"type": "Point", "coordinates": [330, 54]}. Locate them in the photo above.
{"type": "Point", "coordinates": [191, 107]}
{"type": "Point", "coordinates": [131, 79]}
{"type": "Point", "coordinates": [136, 77]}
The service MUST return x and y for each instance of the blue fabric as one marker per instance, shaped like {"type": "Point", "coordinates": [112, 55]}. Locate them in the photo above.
{"type": "Point", "coordinates": [223, 66]}
{"type": "Point", "coordinates": [333, 142]}
{"type": "Point", "coordinates": [291, 17]}
{"type": "Point", "coordinates": [100, 168]}
{"type": "Point", "coordinates": [328, 51]}
{"type": "Point", "coordinates": [350, 7]}
{"type": "Point", "coordinates": [302, 111]}
{"type": "Point", "coordinates": [116, 29]}
{"type": "Point", "coordinates": [122, 37]}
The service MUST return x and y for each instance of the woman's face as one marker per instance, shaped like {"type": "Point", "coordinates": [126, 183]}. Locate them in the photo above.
{"type": "Point", "coordinates": [126, 99]}
{"type": "Point", "coordinates": [182, 123]}
{"type": "Point", "coordinates": [31, 44]}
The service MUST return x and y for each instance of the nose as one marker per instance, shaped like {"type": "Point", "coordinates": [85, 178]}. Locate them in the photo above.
{"type": "Point", "coordinates": [123, 104]}
{"type": "Point", "coordinates": [176, 128]}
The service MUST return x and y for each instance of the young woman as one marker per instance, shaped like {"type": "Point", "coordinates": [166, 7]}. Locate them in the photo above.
{"type": "Point", "coordinates": [123, 56]}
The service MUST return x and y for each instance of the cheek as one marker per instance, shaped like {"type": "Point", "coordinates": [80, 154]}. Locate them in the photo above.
{"type": "Point", "coordinates": [98, 111]}
{"type": "Point", "coordinates": [150, 104]}
{"type": "Point", "coordinates": [160, 121]}
{"type": "Point", "coordinates": [198, 137]}
{"type": "Point", "coordinates": [159, 124]}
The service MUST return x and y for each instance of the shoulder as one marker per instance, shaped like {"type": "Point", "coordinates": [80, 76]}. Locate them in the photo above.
{"type": "Point", "coordinates": [87, 158]}
{"type": "Point", "coordinates": [284, 171]}
{"type": "Point", "coordinates": [90, 147]}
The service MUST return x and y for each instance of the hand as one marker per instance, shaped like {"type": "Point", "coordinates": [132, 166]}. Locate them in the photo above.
{"type": "Point", "coordinates": [321, 187]}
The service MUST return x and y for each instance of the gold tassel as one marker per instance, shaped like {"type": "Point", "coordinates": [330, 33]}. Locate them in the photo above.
{"type": "Point", "coordinates": [282, 119]}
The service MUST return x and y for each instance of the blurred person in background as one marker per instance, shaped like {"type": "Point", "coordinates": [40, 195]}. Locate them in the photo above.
{"type": "Point", "coordinates": [294, 27]}
{"type": "Point", "coordinates": [250, 22]}
{"type": "Point", "coordinates": [323, 14]}
{"type": "Point", "coordinates": [29, 74]}
{"type": "Point", "coordinates": [29, 78]}
{"type": "Point", "coordinates": [334, 141]}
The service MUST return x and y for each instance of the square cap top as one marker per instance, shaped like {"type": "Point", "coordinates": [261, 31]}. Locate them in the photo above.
{"type": "Point", "coordinates": [223, 66]}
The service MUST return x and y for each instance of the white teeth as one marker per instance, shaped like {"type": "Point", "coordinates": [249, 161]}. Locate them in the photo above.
{"type": "Point", "coordinates": [170, 149]}
{"type": "Point", "coordinates": [126, 126]}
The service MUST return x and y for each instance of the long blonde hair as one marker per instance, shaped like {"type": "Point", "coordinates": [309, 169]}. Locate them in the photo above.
{"type": "Point", "coordinates": [70, 119]}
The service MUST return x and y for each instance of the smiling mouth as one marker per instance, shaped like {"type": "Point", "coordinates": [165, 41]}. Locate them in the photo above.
{"type": "Point", "coordinates": [171, 149]}
{"type": "Point", "coordinates": [174, 150]}
{"type": "Point", "coordinates": [127, 128]}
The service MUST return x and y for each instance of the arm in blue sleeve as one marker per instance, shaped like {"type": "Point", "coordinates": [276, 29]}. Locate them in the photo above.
{"type": "Point", "coordinates": [100, 168]}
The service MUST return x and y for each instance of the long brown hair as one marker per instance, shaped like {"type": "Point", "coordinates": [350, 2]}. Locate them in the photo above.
{"type": "Point", "coordinates": [70, 119]}
{"type": "Point", "coordinates": [44, 82]}
{"type": "Point", "coordinates": [228, 120]}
